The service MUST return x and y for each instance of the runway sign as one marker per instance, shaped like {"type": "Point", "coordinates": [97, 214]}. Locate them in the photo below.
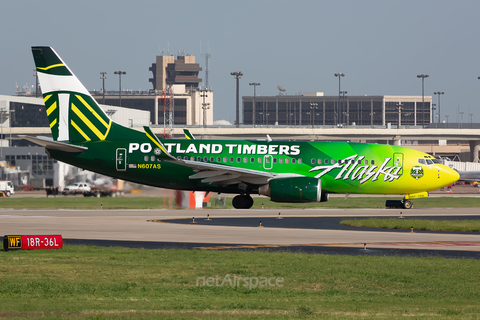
{"type": "Point", "coordinates": [32, 242]}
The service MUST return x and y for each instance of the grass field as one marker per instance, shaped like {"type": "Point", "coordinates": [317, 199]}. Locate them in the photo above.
{"type": "Point", "coordinates": [62, 202]}
{"type": "Point", "coordinates": [106, 283]}
{"type": "Point", "coordinates": [417, 224]}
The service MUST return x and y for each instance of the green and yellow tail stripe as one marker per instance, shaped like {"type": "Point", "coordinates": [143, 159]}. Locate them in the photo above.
{"type": "Point", "coordinates": [52, 66]}
{"type": "Point", "coordinates": [52, 108]}
{"type": "Point", "coordinates": [93, 112]}
{"type": "Point", "coordinates": [89, 124]}
{"type": "Point", "coordinates": [54, 122]}
{"type": "Point", "coordinates": [80, 130]}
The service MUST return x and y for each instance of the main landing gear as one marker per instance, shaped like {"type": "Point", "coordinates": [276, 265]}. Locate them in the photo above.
{"type": "Point", "coordinates": [405, 204]}
{"type": "Point", "coordinates": [242, 201]}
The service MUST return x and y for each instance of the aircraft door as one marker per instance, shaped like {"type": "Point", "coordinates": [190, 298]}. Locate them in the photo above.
{"type": "Point", "coordinates": [267, 162]}
{"type": "Point", "coordinates": [121, 159]}
{"type": "Point", "coordinates": [398, 161]}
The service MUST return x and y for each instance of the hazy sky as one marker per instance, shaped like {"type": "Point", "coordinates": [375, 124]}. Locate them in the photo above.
{"type": "Point", "coordinates": [381, 46]}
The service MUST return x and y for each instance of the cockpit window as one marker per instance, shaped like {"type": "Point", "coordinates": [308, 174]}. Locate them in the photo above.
{"type": "Point", "coordinates": [428, 161]}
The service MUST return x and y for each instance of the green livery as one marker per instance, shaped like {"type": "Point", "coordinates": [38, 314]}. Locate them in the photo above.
{"type": "Point", "coordinates": [286, 171]}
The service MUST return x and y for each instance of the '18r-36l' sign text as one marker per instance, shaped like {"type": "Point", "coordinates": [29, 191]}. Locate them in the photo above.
{"type": "Point", "coordinates": [32, 242]}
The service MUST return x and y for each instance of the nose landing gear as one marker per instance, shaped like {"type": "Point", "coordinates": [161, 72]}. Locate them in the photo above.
{"type": "Point", "coordinates": [405, 204]}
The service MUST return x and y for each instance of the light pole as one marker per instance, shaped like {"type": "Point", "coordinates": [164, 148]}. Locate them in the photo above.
{"type": "Point", "coordinates": [237, 75]}
{"type": "Point", "coordinates": [433, 115]}
{"type": "Point", "coordinates": [313, 106]}
{"type": "Point", "coordinates": [103, 77]}
{"type": "Point", "coordinates": [120, 86]}
{"type": "Point", "coordinates": [439, 111]}
{"type": "Point", "coordinates": [339, 75]}
{"type": "Point", "coordinates": [254, 84]}
{"type": "Point", "coordinates": [461, 118]}
{"type": "Point", "coordinates": [423, 76]}
{"type": "Point", "coordinates": [344, 113]}
{"type": "Point", "coordinates": [205, 106]}
{"type": "Point", "coordinates": [399, 107]}
{"type": "Point", "coordinates": [471, 120]}
{"type": "Point", "coordinates": [35, 74]}
{"type": "Point", "coordinates": [447, 119]}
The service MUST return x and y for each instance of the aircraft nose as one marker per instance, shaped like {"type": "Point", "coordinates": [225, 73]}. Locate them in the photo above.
{"type": "Point", "coordinates": [448, 175]}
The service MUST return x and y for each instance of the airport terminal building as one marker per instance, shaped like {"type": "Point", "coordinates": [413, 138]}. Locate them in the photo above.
{"type": "Point", "coordinates": [319, 110]}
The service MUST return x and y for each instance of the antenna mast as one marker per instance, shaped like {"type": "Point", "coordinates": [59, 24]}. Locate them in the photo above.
{"type": "Point", "coordinates": [167, 112]}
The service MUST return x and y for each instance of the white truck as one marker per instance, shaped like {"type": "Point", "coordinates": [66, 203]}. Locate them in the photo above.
{"type": "Point", "coordinates": [6, 188]}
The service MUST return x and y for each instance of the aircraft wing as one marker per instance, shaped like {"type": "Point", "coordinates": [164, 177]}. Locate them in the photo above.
{"type": "Point", "coordinates": [219, 174]}
{"type": "Point", "coordinates": [55, 145]}
{"type": "Point", "coordinates": [212, 173]}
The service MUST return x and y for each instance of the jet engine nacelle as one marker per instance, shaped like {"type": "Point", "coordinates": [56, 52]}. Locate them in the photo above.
{"type": "Point", "coordinates": [295, 189]}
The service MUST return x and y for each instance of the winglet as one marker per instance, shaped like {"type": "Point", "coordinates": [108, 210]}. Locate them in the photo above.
{"type": "Point", "coordinates": [188, 134]}
{"type": "Point", "coordinates": [158, 143]}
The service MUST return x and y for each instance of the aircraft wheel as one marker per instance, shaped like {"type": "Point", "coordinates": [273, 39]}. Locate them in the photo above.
{"type": "Point", "coordinates": [249, 201]}
{"type": "Point", "coordinates": [407, 204]}
{"type": "Point", "coordinates": [242, 202]}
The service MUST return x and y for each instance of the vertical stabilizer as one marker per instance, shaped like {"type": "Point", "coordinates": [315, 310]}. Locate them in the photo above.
{"type": "Point", "coordinates": [72, 112]}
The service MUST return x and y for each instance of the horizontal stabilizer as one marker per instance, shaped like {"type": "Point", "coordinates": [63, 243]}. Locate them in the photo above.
{"type": "Point", "coordinates": [55, 145]}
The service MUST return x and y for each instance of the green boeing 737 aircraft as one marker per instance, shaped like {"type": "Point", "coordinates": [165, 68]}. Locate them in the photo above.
{"type": "Point", "coordinates": [286, 171]}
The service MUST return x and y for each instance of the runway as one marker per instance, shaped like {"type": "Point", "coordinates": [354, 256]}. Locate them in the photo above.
{"type": "Point", "coordinates": [318, 235]}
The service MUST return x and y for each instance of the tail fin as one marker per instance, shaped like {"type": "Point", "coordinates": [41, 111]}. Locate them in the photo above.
{"type": "Point", "coordinates": [73, 114]}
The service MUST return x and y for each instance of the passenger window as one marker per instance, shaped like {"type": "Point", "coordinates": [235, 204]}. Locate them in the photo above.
{"type": "Point", "coordinates": [245, 160]}
{"type": "Point", "coordinates": [212, 159]}
{"type": "Point", "coordinates": [313, 161]}
{"type": "Point", "coordinates": [293, 160]}
{"type": "Point", "coordinates": [319, 161]}
{"type": "Point", "coordinates": [332, 161]}
{"type": "Point", "coordinates": [274, 160]}
{"type": "Point", "coordinates": [199, 159]}
{"type": "Point", "coordinates": [145, 158]}
{"type": "Point", "coordinates": [152, 158]}
{"type": "Point", "coordinates": [300, 160]}
{"type": "Point", "coordinates": [205, 159]}
{"type": "Point", "coordinates": [232, 160]}
{"type": "Point", "coordinates": [267, 160]}
{"type": "Point", "coordinates": [287, 160]}
{"type": "Point", "coordinates": [373, 162]}
{"type": "Point", "coordinates": [326, 161]}
{"type": "Point", "coordinates": [252, 160]}
{"type": "Point", "coordinates": [224, 159]}
{"type": "Point", "coordinates": [185, 158]}
{"type": "Point", "coordinates": [366, 162]}
{"type": "Point", "coordinates": [219, 159]}
{"type": "Point", "coordinates": [280, 160]}
{"type": "Point", "coordinates": [239, 160]}
{"type": "Point", "coordinates": [259, 160]}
